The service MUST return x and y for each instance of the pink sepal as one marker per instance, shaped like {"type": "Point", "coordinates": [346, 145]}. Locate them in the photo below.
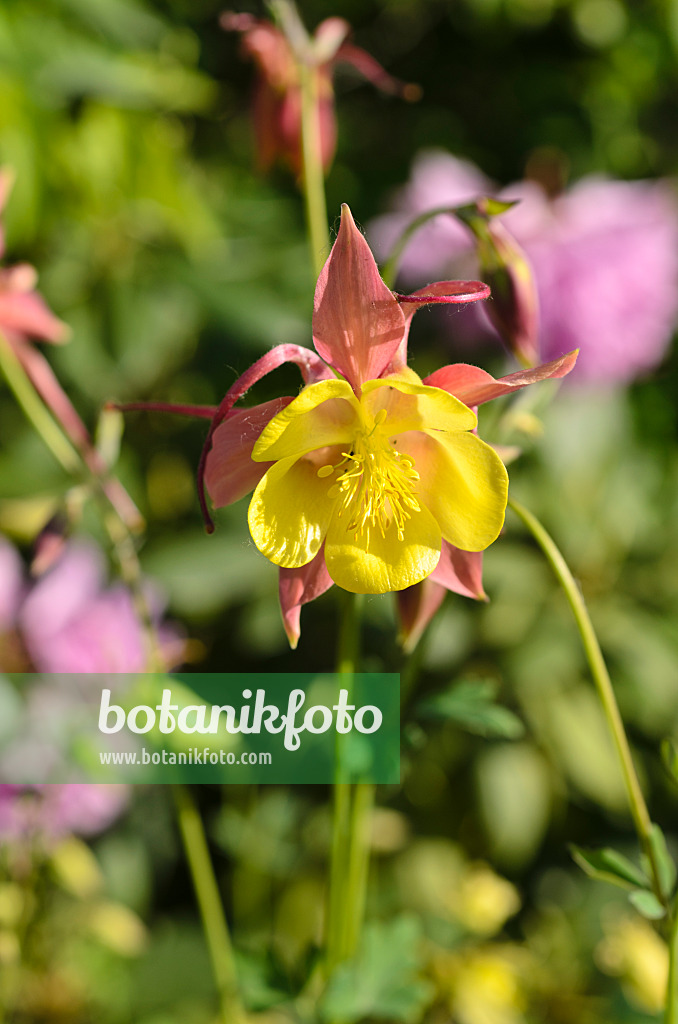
{"type": "Point", "coordinates": [328, 39]}
{"type": "Point", "coordinates": [230, 472]}
{"type": "Point", "coordinates": [299, 586]}
{"type": "Point", "coordinates": [440, 292]}
{"type": "Point", "coordinates": [460, 571]}
{"type": "Point", "coordinates": [474, 386]}
{"type": "Point", "coordinates": [357, 323]}
{"type": "Point", "coordinates": [416, 607]}
{"type": "Point", "coordinates": [372, 71]}
{"type": "Point", "coordinates": [23, 312]}
{"type": "Point", "coordinates": [312, 369]}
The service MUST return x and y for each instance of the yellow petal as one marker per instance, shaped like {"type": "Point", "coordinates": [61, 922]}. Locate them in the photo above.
{"type": "Point", "coordinates": [290, 512]}
{"type": "Point", "coordinates": [323, 414]}
{"type": "Point", "coordinates": [463, 483]}
{"type": "Point", "coordinates": [369, 563]}
{"type": "Point", "coordinates": [411, 406]}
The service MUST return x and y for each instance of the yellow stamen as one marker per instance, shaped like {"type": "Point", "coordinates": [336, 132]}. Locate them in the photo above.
{"type": "Point", "coordinates": [377, 485]}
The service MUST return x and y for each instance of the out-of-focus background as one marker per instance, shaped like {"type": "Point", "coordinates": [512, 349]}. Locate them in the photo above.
{"type": "Point", "coordinates": [127, 126]}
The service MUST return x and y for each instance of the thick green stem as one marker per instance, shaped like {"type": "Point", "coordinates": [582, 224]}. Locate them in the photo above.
{"type": "Point", "coordinates": [207, 894]}
{"type": "Point", "coordinates": [603, 684]}
{"type": "Point", "coordinates": [313, 182]}
{"type": "Point", "coordinates": [358, 866]}
{"type": "Point", "coordinates": [352, 810]}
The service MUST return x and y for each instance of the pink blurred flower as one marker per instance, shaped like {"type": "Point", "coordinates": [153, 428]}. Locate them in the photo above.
{"type": "Point", "coordinates": [51, 811]}
{"type": "Point", "coordinates": [604, 255]}
{"type": "Point", "coordinates": [276, 103]}
{"type": "Point", "coordinates": [69, 621]}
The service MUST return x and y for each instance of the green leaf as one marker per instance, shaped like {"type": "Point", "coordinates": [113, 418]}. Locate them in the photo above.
{"type": "Point", "coordinates": [670, 757]}
{"type": "Point", "coordinates": [664, 860]}
{"type": "Point", "coordinates": [609, 865]}
{"type": "Point", "coordinates": [647, 904]}
{"type": "Point", "coordinates": [470, 704]}
{"type": "Point", "coordinates": [384, 981]}
{"type": "Point", "coordinates": [493, 207]}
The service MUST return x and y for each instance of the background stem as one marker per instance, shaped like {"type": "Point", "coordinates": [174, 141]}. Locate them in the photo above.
{"type": "Point", "coordinates": [313, 183]}
{"type": "Point", "coordinates": [601, 678]}
{"type": "Point", "coordinates": [212, 915]}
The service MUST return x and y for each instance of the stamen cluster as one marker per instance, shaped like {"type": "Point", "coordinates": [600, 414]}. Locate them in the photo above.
{"type": "Point", "coordinates": [376, 485]}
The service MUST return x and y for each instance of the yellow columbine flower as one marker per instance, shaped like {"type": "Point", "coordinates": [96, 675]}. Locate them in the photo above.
{"type": "Point", "coordinates": [370, 478]}
{"type": "Point", "coordinates": [381, 479]}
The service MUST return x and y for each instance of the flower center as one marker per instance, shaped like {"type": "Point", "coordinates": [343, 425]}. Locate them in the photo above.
{"type": "Point", "coordinates": [376, 483]}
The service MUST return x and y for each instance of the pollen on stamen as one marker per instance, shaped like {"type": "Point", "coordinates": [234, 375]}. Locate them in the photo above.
{"type": "Point", "coordinates": [325, 471]}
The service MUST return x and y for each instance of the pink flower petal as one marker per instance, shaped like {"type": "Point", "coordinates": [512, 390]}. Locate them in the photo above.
{"type": "Point", "coordinates": [299, 586]}
{"type": "Point", "coordinates": [230, 472]}
{"type": "Point", "coordinates": [474, 386]}
{"type": "Point", "coordinates": [357, 323]}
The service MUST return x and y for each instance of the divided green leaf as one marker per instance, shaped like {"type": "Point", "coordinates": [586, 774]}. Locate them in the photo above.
{"type": "Point", "coordinates": [384, 982]}
{"type": "Point", "coordinates": [608, 865]}
{"type": "Point", "coordinates": [647, 904]}
{"type": "Point", "coordinates": [471, 705]}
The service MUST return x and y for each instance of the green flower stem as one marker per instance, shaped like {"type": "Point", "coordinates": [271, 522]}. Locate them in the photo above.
{"type": "Point", "coordinates": [603, 685]}
{"type": "Point", "coordinates": [671, 1015]}
{"type": "Point", "coordinates": [71, 460]}
{"type": "Point", "coordinates": [211, 908]}
{"type": "Point", "coordinates": [352, 810]}
{"type": "Point", "coordinates": [358, 866]}
{"type": "Point", "coordinates": [313, 173]}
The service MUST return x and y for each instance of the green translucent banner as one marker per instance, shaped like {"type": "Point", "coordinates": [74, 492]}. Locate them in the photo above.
{"type": "Point", "coordinates": [199, 728]}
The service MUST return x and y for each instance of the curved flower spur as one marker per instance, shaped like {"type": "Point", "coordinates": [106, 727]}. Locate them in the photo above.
{"type": "Point", "coordinates": [370, 478]}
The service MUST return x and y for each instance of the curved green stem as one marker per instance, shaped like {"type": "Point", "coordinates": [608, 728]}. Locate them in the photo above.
{"type": "Point", "coordinates": [389, 271]}
{"type": "Point", "coordinates": [313, 183]}
{"type": "Point", "coordinates": [212, 915]}
{"type": "Point", "coordinates": [601, 678]}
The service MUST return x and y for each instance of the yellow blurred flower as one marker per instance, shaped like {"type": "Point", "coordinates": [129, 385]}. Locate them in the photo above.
{"type": "Point", "coordinates": [485, 901]}
{"type": "Point", "coordinates": [633, 951]}
{"type": "Point", "coordinates": [486, 985]}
